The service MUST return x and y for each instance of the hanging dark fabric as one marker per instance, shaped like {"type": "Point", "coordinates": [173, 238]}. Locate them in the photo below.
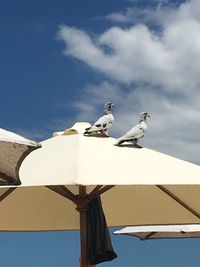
{"type": "Point", "coordinates": [99, 241]}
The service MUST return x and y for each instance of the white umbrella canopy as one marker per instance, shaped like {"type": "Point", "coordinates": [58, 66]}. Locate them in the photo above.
{"type": "Point", "coordinates": [161, 231]}
{"type": "Point", "coordinates": [137, 186]}
{"type": "Point", "coordinates": [147, 183]}
{"type": "Point", "coordinates": [14, 148]}
{"type": "Point", "coordinates": [74, 159]}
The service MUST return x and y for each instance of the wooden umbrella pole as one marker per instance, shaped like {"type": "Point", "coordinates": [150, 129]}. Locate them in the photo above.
{"type": "Point", "coordinates": [81, 200]}
{"type": "Point", "coordinates": [82, 208]}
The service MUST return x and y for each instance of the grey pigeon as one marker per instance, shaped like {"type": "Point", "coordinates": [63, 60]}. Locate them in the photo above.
{"type": "Point", "coordinates": [103, 123]}
{"type": "Point", "coordinates": [137, 132]}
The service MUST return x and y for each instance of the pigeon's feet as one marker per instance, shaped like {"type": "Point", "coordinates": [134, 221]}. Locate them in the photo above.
{"type": "Point", "coordinates": [96, 134]}
{"type": "Point", "coordinates": [118, 143]}
{"type": "Point", "coordinates": [105, 133]}
{"type": "Point", "coordinates": [138, 146]}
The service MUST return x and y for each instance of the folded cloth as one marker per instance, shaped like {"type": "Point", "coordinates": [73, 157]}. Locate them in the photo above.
{"type": "Point", "coordinates": [99, 241]}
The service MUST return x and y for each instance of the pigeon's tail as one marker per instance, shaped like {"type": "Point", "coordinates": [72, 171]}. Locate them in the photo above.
{"type": "Point", "coordinates": [119, 141]}
{"type": "Point", "coordinates": [87, 130]}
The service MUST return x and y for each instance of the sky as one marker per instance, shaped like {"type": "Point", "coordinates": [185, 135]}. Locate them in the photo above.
{"type": "Point", "coordinates": [61, 60]}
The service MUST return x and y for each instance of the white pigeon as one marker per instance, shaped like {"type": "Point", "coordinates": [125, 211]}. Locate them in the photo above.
{"type": "Point", "coordinates": [103, 123]}
{"type": "Point", "coordinates": [137, 132]}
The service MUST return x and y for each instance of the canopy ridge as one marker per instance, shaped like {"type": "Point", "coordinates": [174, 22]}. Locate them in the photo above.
{"type": "Point", "coordinates": [178, 200]}
{"type": "Point", "coordinates": [7, 193]}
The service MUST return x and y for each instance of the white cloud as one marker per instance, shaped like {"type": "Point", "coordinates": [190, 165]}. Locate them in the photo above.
{"type": "Point", "coordinates": [137, 54]}
{"type": "Point", "coordinates": [134, 15]}
{"type": "Point", "coordinates": [164, 68]}
{"type": "Point", "coordinates": [160, 12]}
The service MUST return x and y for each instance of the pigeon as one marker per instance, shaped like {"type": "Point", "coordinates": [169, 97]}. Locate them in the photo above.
{"type": "Point", "coordinates": [103, 123]}
{"type": "Point", "coordinates": [137, 132]}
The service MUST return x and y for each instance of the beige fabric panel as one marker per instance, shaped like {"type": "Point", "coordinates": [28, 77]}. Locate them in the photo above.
{"type": "Point", "coordinates": [40, 209]}
{"type": "Point", "coordinates": [145, 205]}
{"type": "Point", "coordinates": [37, 209]}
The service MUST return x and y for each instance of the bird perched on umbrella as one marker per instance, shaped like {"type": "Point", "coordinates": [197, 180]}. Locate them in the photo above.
{"type": "Point", "coordinates": [137, 132]}
{"type": "Point", "coordinates": [103, 123]}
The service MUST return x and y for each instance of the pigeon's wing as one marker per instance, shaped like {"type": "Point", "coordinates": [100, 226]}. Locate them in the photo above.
{"type": "Point", "coordinates": [104, 122]}
{"type": "Point", "coordinates": [135, 132]}
{"type": "Point", "coordinates": [99, 125]}
{"type": "Point", "coordinates": [101, 121]}
{"type": "Point", "coordinates": [132, 134]}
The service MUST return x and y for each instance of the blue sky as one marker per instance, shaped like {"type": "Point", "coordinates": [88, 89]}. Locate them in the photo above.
{"type": "Point", "coordinates": [61, 60]}
{"type": "Point", "coordinates": [37, 81]}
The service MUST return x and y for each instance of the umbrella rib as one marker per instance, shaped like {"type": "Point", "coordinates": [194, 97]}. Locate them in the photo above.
{"type": "Point", "coordinates": [98, 190]}
{"type": "Point", "coordinates": [65, 193]}
{"type": "Point", "coordinates": [105, 188]}
{"type": "Point", "coordinates": [181, 202]}
{"type": "Point", "coordinates": [69, 193]}
{"type": "Point", "coordinates": [148, 235]}
{"type": "Point", "coordinates": [95, 192]}
{"type": "Point", "coordinates": [7, 193]}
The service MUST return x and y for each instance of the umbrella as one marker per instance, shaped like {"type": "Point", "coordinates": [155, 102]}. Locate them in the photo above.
{"type": "Point", "coordinates": [14, 148]}
{"type": "Point", "coordinates": [161, 231]}
{"type": "Point", "coordinates": [137, 187]}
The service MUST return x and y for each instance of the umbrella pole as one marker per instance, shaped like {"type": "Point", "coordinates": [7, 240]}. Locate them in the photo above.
{"type": "Point", "coordinates": [81, 200]}
{"type": "Point", "coordinates": [84, 262]}
{"type": "Point", "coordinates": [82, 208]}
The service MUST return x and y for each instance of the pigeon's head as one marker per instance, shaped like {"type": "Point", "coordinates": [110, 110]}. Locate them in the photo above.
{"type": "Point", "coordinates": [144, 115]}
{"type": "Point", "coordinates": [108, 106]}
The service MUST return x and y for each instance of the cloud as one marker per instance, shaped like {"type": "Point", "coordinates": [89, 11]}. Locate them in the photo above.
{"type": "Point", "coordinates": [134, 15]}
{"type": "Point", "coordinates": [159, 68]}
{"type": "Point", "coordinates": [157, 12]}
{"type": "Point", "coordinates": [138, 54]}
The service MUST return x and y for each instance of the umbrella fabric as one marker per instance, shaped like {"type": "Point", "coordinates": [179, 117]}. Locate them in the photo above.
{"type": "Point", "coordinates": [150, 187]}
{"type": "Point", "coordinates": [76, 159]}
{"type": "Point", "coordinates": [14, 149]}
{"type": "Point", "coordinates": [37, 208]}
{"type": "Point", "coordinates": [161, 231]}
{"type": "Point", "coordinates": [100, 246]}
{"type": "Point", "coordinates": [146, 187]}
